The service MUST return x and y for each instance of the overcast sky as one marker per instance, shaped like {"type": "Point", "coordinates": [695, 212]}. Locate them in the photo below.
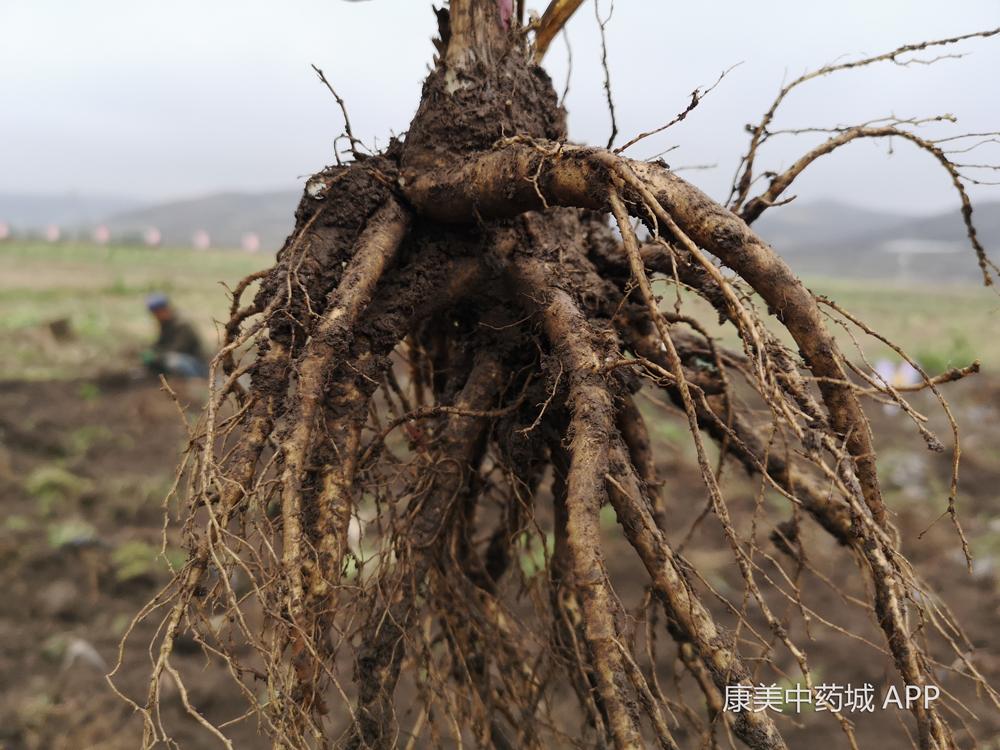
{"type": "Point", "coordinates": [159, 100]}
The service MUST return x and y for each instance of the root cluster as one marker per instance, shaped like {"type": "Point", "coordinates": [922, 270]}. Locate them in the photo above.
{"type": "Point", "coordinates": [446, 366]}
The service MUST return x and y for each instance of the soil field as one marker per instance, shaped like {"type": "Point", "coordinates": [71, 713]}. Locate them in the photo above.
{"type": "Point", "coordinates": [84, 466]}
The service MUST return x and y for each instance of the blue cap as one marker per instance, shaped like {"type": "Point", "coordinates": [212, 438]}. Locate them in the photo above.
{"type": "Point", "coordinates": [157, 301]}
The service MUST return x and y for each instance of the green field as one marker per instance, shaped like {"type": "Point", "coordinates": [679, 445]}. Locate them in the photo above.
{"type": "Point", "coordinates": [948, 325]}
{"type": "Point", "coordinates": [100, 291]}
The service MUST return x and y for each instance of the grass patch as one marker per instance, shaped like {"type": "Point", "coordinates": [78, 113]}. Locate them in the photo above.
{"type": "Point", "coordinates": [52, 487]}
{"type": "Point", "coordinates": [139, 560]}
{"type": "Point", "coordinates": [939, 325]}
{"type": "Point", "coordinates": [100, 291]}
{"type": "Point", "coordinates": [71, 532]}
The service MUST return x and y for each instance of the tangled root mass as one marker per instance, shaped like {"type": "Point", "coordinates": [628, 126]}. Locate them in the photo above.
{"type": "Point", "coordinates": [444, 367]}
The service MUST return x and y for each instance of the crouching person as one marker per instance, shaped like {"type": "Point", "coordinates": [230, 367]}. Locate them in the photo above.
{"type": "Point", "coordinates": [177, 350]}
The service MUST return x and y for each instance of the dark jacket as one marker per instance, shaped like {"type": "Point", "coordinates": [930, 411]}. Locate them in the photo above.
{"type": "Point", "coordinates": [178, 336]}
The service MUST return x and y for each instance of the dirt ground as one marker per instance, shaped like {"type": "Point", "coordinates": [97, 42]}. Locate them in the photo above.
{"type": "Point", "coordinates": [85, 464]}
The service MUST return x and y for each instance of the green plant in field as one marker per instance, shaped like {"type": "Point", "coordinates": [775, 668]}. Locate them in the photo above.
{"type": "Point", "coordinates": [82, 439]}
{"type": "Point", "coordinates": [535, 553]}
{"type": "Point", "coordinates": [951, 350]}
{"type": "Point", "coordinates": [175, 557]}
{"type": "Point", "coordinates": [668, 430]}
{"type": "Point", "coordinates": [17, 523]}
{"type": "Point", "coordinates": [54, 647]}
{"type": "Point", "coordinates": [34, 710]}
{"type": "Point", "coordinates": [986, 548]}
{"type": "Point", "coordinates": [89, 391]}
{"type": "Point", "coordinates": [135, 559]}
{"type": "Point", "coordinates": [608, 518]}
{"type": "Point", "coordinates": [118, 287]}
{"type": "Point", "coordinates": [71, 532]}
{"type": "Point", "coordinates": [51, 486]}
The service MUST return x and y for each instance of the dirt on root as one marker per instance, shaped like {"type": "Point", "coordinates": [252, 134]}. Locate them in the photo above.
{"type": "Point", "coordinates": [85, 465]}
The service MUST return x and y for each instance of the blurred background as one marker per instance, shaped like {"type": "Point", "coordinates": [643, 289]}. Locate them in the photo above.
{"type": "Point", "coordinates": [161, 148]}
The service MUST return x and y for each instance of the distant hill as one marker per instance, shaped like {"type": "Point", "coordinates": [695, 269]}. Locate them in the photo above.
{"type": "Point", "coordinates": [833, 239]}
{"type": "Point", "coordinates": [948, 227]}
{"type": "Point", "coordinates": [815, 223]}
{"type": "Point", "coordinates": [31, 212]}
{"type": "Point", "coordinates": [822, 238]}
{"type": "Point", "coordinates": [226, 217]}
{"type": "Point", "coordinates": [818, 238]}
